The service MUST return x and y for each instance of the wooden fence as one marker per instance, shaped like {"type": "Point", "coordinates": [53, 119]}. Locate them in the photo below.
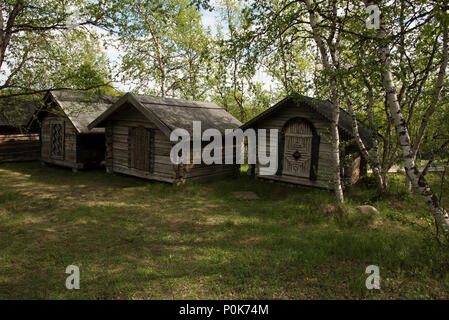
{"type": "Point", "coordinates": [19, 147]}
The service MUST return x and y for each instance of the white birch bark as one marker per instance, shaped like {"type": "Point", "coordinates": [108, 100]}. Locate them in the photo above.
{"type": "Point", "coordinates": [335, 150]}
{"type": "Point", "coordinates": [418, 181]}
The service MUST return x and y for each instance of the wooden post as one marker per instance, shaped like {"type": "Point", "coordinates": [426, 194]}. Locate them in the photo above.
{"type": "Point", "coordinates": [109, 147]}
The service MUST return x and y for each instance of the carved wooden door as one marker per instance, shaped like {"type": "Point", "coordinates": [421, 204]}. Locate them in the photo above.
{"type": "Point", "coordinates": [57, 141]}
{"type": "Point", "coordinates": [298, 149]}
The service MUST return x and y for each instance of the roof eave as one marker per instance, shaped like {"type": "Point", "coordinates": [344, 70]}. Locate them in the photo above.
{"type": "Point", "coordinates": [98, 122]}
{"type": "Point", "coordinates": [129, 97]}
{"type": "Point", "coordinates": [266, 113]}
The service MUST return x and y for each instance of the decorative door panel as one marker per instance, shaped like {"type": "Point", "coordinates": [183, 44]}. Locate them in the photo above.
{"type": "Point", "coordinates": [298, 150]}
{"type": "Point", "coordinates": [57, 141]}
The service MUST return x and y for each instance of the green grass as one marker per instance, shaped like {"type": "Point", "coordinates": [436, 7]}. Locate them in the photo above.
{"type": "Point", "coordinates": [134, 239]}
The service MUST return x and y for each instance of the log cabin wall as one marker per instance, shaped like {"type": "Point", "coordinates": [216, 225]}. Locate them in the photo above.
{"type": "Point", "coordinates": [19, 147]}
{"type": "Point", "coordinates": [120, 149]}
{"type": "Point", "coordinates": [135, 146]}
{"type": "Point", "coordinates": [19, 136]}
{"type": "Point", "coordinates": [200, 171]}
{"type": "Point", "coordinates": [353, 170]}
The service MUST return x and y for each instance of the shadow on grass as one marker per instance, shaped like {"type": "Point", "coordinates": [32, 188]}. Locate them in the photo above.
{"type": "Point", "coordinates": [152, 241]}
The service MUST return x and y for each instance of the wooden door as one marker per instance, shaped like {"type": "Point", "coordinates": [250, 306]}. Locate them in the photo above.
{"type": "Point", "coordinates": [57, 141]}
{"type": "Point", "coordinates": [140, 149]}
{"type": "Point", "coordinates": [298, 149]}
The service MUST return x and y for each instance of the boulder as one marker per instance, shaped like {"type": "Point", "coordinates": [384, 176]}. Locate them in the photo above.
{"type": "Point", "coordinates": [370, 215]}
{"type": "Point", "coordinates": [369, 210]}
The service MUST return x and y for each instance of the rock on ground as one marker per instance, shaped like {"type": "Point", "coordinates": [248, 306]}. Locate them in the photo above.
{"type": "Point", "coordinates": [368, 210]}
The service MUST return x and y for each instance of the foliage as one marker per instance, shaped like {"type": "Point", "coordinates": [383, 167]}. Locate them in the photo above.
{"type": "Point", "coordinates": [166, 49]}
{"type": "Point", "coordinates": [49, 44]}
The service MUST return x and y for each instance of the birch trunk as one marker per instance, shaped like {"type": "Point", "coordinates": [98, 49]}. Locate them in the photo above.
{"type": "Point", "coordinates": [373, 161]}
{"type": "Point", "coordinates": [418, 181]}
{"type": "Point", "coordinates": [408, 183]}
{"type": "Point", "coordinates": [434, 103]}
{"type": "Point", "coordinates": [336, 172]}
{"type": "Point", "coordinates": [338, 189]}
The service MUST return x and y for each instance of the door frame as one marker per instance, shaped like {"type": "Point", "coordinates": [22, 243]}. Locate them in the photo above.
{"type": "Point", "coordinates": [314, 152]}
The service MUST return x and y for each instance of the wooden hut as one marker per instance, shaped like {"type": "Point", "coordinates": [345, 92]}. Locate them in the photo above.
{"type": "Point", "coordinates": [304, 142]}
{"type": "Point", "coordinates": [65, 138]}
{"type": "Point", "coordinates": [138, 132]}
{"type": "Point", "coordinates": [19, 138]}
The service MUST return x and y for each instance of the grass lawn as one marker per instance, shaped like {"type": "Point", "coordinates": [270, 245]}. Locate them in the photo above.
{"type": "Point", "coordinates": [134, 239]}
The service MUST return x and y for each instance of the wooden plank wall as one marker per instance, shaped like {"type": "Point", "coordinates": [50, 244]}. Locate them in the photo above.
{"type": "Point", "coordinates": [277, 121]}
{"type": "Point", "coordinates": [117, 155]}
{"type": "Point", "coordinates": [199, 171]}
{"type": "Point", "coordinates": [117, 128]}
{"type": "Point", "coordinates": [19, 147]}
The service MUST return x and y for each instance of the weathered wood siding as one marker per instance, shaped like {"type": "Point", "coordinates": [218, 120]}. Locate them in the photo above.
{"type": "Point", "coordinates": [203, 170]}
{"type": "Point", "coordinates": [120, 152]}
{"type": "Point", "coordinates": [19, 147]}
{"type": "Point", "coordinates": [278, 120]}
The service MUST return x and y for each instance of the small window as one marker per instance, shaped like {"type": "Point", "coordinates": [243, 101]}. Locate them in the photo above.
{"type": "Point", "coordinates": [57, 141]}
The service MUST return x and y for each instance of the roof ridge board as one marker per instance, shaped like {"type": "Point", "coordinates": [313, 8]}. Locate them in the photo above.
{"type": "Point", "coordinates": [169, 102]}
{"type": "Point", "coordinates": [169, 98]}
{"type": "Point", "coordinates": [71, 115]}
{"type": "Point", "coordinates": [78, 92]}
{"type": "Point", "coordinates": [177, 106]}
{"type": "Point", "coordinates": [93, 109]}
{"type": "Point", "coordinates": [101, 100]}
{"type": "Point", "coordinates": [71, 96]}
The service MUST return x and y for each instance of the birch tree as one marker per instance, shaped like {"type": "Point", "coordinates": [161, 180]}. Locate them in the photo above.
{"type": "Point", "coordinates": [418, 181]}
{"type": "Point", "coordinates": [165, 47]}
{"type": "Point", "coordinates": [330, 60]}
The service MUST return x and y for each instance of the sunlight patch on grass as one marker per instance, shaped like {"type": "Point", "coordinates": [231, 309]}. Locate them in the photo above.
{"type": "Point", "coordinates": [134, 239]}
